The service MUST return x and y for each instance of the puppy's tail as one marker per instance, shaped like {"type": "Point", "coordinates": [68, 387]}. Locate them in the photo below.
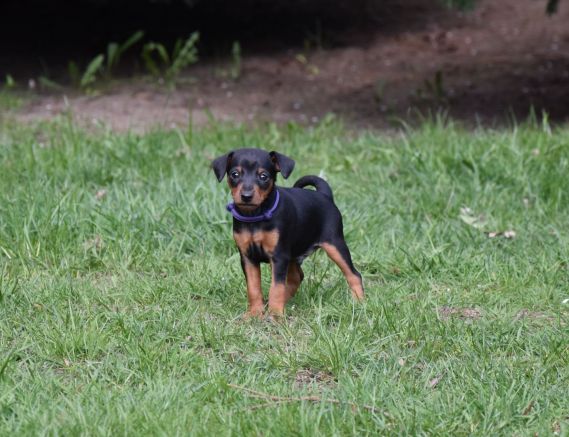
{"type": "Point", "coordinates": [320, 184]}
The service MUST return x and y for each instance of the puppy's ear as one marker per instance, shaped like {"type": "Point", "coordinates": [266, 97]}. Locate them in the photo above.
{"type": "Point", "coordinates": [221, 165]}
{"type": "Point", "coordinates": [282, 163]}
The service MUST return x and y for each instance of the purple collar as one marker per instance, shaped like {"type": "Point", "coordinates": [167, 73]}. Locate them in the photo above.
{"type": "Point", "coordinates": [267, 215]}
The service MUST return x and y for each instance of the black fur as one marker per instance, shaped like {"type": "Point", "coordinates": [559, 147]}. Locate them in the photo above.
{"type": "Point", "coordinates": [304, 219]}
{"type": "Point", "coordinates": [320, 184]}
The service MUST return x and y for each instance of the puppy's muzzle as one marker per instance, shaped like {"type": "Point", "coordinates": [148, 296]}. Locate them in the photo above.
{"type": "Point", "coordinates": [247, 196]}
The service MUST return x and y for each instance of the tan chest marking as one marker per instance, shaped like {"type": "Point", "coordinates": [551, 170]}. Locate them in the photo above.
{"type": "Point", "coordinates": [267, 240]}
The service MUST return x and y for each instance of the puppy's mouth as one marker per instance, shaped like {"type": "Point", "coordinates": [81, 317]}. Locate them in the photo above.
{"type": "Point", "coordinates": [246, 206]}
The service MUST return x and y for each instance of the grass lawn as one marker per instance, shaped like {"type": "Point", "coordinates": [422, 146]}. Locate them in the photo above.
{"type": "Point", "coordinates": [121, 289]}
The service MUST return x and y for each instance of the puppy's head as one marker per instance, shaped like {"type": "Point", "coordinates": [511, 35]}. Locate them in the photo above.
{"type": "Point", "coordinates": [251, 174]}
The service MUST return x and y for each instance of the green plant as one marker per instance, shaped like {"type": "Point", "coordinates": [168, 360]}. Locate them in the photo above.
{"type": "Point", "coordinates": [10, 82]}
{"type": "Point", "coordinates": [98, 64]}
{"type": "Point", "coordinates": [433, 89]}
{"type": "Point", "coordinates": [310, 68]}
{"type": "Point", "coordinates": [152, 50]}
{"type": "Point", "coordinates": [552, 6]}
{"type": "Point", "coordinates": [48, 84]}
{"type": "Point", "coordinates": [460, 4]}
{"type": "Point", "coordinates": [115, 50]}
{"type": "Point", "coordinates": [91, 71]}
{"type": "Point", "coordinates": [184, 54]}
{"type": "Point", "coordinates": [74, 73]}
{"type": "Point", "coordinates": [235, 70]}
{"type": "Point", "coordinates": [9, 97]}
{"type": "Point", "coordinates": [158, 61]}
{"type": "Point", "coordinates": [436, 87]}
{"type": "Point", "coordinates": [87, 78]}
{"type": "Point", "coordinates": [314, 40]}
{"type": "Point", "coordinates": [379, 91]}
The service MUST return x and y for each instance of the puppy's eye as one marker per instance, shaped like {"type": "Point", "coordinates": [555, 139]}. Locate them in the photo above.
{"type": "Point", "coordinates": [235, 174]}
{"type": "Point", "coordinates": [264, 177]}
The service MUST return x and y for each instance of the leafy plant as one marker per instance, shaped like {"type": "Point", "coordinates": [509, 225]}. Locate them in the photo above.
{"type": "Point", "coordinates": [235, 70]}
{"type": "Point", "coordinates": [314, 39]}
{"type": "Point", "coordinates": [185, 53]}
{"type": "Point", "coordinates": [74, 73]}
{"type": "Point", "coordinates": [460, 4]}
{"type": "Point", "coordinates": [86, 78]}
{"type": "Point", "coordinates": [552, 6]}
{"type": "Point", "coordinates": [433, 89]}
{"type": "Point", "coordinates": [93, 68]}
{"type": "Point", "coordinates": [379, 91]}
{"type": "Point", "coordinates": [10, 82]}
{"type": "Point", "coordinates": [89, 76]}
{"type": "Point", "coordinates": [158, 61]}
{"type": "Point", "coordinates": [310, 68]}
{"type": "Point", "coordinates": [149, 52]}
{"type": "Point", "coordinates": [48, 84]}
{"type": "Point", "coordinates": [115, 50]}
{"type": "Point", "coordinates": [9, 97]}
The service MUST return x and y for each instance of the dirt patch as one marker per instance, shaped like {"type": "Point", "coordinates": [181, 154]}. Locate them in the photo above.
{"type": "Point", "coordinates": [483, 66]}
{"type": "Point", "coordinates": [533, 315]}
{"type": "Point", "coordinates": [469, 314]}
{"type": "Point", "coordinates": [310, 378]}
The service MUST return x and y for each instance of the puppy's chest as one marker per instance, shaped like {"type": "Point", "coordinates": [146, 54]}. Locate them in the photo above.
{"type": "Point", "coordinates": [257, 245]}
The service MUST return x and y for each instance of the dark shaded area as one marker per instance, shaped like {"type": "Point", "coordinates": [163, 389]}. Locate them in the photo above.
{"type": "Point", "coordinates": [526, 89]}
{"type": "Point", "coordinates": [370, 61]}
{"type": "Point", "coordinates": [42, 35]}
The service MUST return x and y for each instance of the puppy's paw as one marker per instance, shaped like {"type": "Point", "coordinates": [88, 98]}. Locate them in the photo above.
{"type": "Point", "coordinates": [253, 314]}
{"type": "Point", "coordinates": [275, 318]}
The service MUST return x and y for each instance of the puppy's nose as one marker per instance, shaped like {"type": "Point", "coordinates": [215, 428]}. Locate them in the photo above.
{"type": "Point", "coordinates": [247, 196]}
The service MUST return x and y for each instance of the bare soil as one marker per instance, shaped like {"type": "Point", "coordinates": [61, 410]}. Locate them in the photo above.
{"type": "Point", "coordinates": [482, 66]}
{"type": "Point", "coordinates": [446, 312]}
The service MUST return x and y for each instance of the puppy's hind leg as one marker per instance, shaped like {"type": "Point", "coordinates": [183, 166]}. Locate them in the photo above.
{"type": "Point", "coordinates": [338, 252]}
{"type": "Point", "coordinates": [294, 277]}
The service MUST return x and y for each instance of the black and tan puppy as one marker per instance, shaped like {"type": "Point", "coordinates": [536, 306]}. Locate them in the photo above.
{"type": "Point", "coordinates": [281, 226]}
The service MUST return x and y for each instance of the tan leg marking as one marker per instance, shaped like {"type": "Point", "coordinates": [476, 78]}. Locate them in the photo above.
{"type": "Point", "coordinates": [254, 290]}
{"type": "Point", "coordinates": [277, 295]}
{"type": "Point", "coordinates": [354, 281]}
{"type": "Point", "coordinates": [280, 293]}
{"type": "Point", "coordinates": [293, 279]}
{"type": "Point", "coordinates": [268, 240]}
{"type": "Point", "coordinates": [277, 299]}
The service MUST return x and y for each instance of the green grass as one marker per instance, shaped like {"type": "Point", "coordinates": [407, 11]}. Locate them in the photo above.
{"type": "Point", "coordinates": [9, 101]}
{"type": "Point", "coordinates": [120, 312]}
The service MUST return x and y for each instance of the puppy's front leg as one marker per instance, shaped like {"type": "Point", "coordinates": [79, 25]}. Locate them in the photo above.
{"type": "Point", "coordinates": [278, 294]}
{"type": "Point", "coordinates": [252, 272]}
